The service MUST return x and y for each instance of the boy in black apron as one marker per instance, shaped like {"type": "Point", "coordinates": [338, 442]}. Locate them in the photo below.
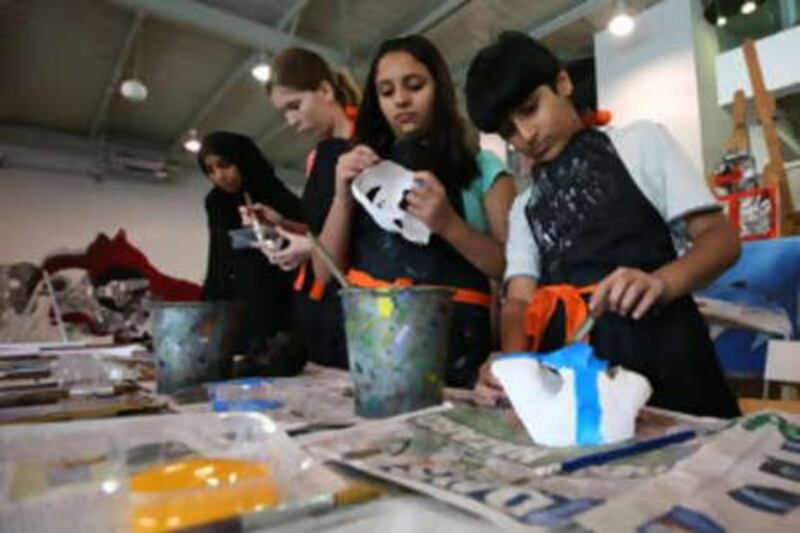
{"type": "Point", "coordinates": [596, 221]}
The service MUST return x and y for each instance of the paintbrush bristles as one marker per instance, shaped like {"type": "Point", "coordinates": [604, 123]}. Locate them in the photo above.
{"type": "Point", "coordinates": [257, 229]}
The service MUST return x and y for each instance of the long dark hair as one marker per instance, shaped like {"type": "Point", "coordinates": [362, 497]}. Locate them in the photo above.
{"type": "Point", "coordinates": [452, 156]}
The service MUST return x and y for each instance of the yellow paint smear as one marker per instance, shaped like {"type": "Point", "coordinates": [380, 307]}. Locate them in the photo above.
{"type": "Point", "coordinates": [195, 491]}
{"type": "Point", "coordinates": [385, 307]}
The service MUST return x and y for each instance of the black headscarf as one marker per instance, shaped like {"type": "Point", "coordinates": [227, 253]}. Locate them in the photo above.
{"type": "Point", "coordinates": [258, 178]}
{"type": "Point", "coordinates": [245, 275]}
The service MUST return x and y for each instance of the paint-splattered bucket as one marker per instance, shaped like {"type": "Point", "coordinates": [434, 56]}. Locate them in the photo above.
{"type": "Point", "coordinates": [193, 342]}
{"type": "Point", "coordinates": [397, 342]}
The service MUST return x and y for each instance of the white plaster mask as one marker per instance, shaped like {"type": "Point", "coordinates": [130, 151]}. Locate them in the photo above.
{"type": "Point", "coordinates": [381, 190]}
{"type": "Point", "coordinates": [570, 397]}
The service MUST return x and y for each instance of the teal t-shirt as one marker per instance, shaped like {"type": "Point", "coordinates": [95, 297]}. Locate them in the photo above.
{"type": "Point", "coordinates": [490, 167]}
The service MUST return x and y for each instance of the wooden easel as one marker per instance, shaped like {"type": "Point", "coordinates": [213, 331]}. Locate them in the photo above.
{"type": "Point", "coordinates": [739, 141]}
{"type": "Point", "coordinates": [773, 173]}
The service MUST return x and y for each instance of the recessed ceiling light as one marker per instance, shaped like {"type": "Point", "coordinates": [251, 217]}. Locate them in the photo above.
{"type": "Point", "coordinates": [261, 72]}
{"type": "Point", "coordinates": [621, 25]}
{"type": "Point", "coordinates": [192, 142]}
{"type": "Point", "coordinates": [721, 21]}
{"type": "Point", "coordinates": [748, 7]}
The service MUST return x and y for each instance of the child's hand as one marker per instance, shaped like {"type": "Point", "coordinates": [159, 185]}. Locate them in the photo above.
{"type": "Point", "coordinates": [428, 202]}
{"type": "Point", "coordinates": [350, 165]}
{"type": "Point", "coordinates": [260, 212]}
{"type": "Point", "coordinates": [289, 257]}
{"type": "Point", "coordinates": [488, 390]}
{"type": "Point", "coordinates": [628, 292]}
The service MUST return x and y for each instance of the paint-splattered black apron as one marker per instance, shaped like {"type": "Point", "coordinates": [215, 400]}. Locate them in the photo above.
{"type": "Point", "coordinates": [588, 217]}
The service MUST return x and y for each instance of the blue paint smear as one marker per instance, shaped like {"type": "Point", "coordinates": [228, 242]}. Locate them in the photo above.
{"type": "Point", "coordinates": [579, 358]}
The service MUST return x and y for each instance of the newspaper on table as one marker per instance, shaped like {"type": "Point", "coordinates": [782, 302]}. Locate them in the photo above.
{"type": "Point", "coordinates": [483, 461]}
{"type": "Point", "coordinates": [747, 478]}
{"type": "Point", "coordinates": [74, 476]}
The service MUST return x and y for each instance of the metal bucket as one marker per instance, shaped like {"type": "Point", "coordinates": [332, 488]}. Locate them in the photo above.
{"type": "Point", "coordinates": [194, 342]}
{"type": "Point", "coordinates": [397, 343]}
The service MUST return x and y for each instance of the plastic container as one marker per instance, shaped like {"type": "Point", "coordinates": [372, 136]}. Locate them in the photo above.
{"type": "Point", "coordinates": [246, 394]}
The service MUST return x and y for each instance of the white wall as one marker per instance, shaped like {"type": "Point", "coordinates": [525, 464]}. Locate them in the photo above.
{"type": "Point", "coordinates": [780, 66]}
{"type": "Point", "coordinates": [43, 211]}
{"type": "Point", "coordinates": [655, 74]}
{"type": "Point", "coordinates": [716, 123]}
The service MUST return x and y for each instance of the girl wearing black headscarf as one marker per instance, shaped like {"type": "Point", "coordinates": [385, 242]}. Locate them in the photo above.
{"type": "Point", "coordinates": [236, 166]}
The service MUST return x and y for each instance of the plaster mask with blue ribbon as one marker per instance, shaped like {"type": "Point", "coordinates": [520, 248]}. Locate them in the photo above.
{"type": "Point", "coordinates": [570, 397]}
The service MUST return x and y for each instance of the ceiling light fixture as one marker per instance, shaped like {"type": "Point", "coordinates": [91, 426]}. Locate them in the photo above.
{"type": "Point", "coordinates": [192, 142]}
{"type": "Point", "coordinates": [261, 72]}
{"type": "Point", "coordinates": [722, 21]}
{"type": "Point", "coordinates": [261, 69]}
{"type": "Point", "coordinates": [748, 7]}
{"type": "Point", "coordinates": [133, 90]}
{"type": "Point", "coordinates": [622, 24]}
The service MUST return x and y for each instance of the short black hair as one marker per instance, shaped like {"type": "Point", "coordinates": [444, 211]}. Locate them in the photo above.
{"type": "Point", "coordinates": [503, 74]}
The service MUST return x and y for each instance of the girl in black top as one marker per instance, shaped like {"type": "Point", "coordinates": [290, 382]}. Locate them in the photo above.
{"type": "Point", "coordinates": [318, 102]}
{"type": "Point", "coordinates": [409, 114]}
{"type": "Point", "coordinates": [236, 166]}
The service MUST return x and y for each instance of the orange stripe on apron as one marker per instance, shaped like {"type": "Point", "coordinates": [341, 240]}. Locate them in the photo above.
{"type": "Point", "coordinates": [362, 279]}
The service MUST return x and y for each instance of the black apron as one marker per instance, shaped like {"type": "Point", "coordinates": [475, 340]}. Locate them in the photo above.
{"type": "Point", "coordinates": [588, 217]}
{"type": "Point", "coordinates": [320, 322]}
{"type": "Point", "coordinates": [388, 256]}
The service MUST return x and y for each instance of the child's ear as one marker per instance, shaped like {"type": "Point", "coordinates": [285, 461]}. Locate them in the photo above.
{"type": "Point", "coordinates": [564, 85]}
{"type": "Point", "coordinates": [327, 91]}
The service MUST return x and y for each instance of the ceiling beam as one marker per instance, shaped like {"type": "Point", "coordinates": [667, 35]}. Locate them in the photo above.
{"type": "Point", "coordinates": [288, 21]}
{"type": "Point", "coordinates": [226, 25]}
{"type": "Point", "coordinates": [101, 112]}
{"type": "Point", "coordinates": [210, 103]}
{"type": "Point", "coordinates": [426, 21]}
{"type": "Point", "coordinates": [578, 11]}
{"type": "Point", "coordinates": [434, 16]}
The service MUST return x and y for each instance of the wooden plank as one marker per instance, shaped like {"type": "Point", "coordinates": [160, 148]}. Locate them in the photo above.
{"type": "Point", "coordinates": [752, 405]}
{"type": "Point", "coordinates": [739, 141]}
{"type": "Point", "coordinates": [774, 173]}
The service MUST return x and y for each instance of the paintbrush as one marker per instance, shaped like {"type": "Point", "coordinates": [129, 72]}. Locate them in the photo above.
{"type": "Point", "coordinates": [354, 493]}
{"type": "Point", "coordinates": [323, 254]}
{"type": "Point", "coordinates": [629, 450]}
{"type": "Point", "coordinates": [583, 330]}
{"type": "Point", "coordinates": [254, 222]}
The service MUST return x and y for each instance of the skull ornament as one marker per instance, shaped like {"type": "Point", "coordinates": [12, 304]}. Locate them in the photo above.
{"type": "Point", "coordinates": [381, 191]}
{"type": "Point", "coordinates": [570, 397]}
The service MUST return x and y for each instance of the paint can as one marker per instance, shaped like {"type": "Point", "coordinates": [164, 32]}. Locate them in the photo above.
{"type": "Point", "coordinates": [194, 342]}
{"type": "Point", "coordinates": [397, 344]}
